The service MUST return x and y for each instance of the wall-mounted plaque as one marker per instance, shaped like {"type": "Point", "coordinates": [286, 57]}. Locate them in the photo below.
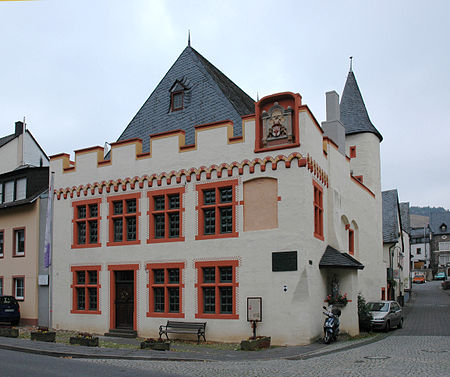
{"type": "Point", "coordinates": [254, 309]}
{"type": "Point", "coordinates": [43, 279]}
{"type": "Point", "coordinates": [284, 261]}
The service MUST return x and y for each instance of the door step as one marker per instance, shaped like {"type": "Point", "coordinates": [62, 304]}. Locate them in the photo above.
{"type": "Point", "coordinates": [122, 333]}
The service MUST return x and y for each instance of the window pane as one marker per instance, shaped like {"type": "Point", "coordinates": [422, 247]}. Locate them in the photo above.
{"type": "Point", "coordinates": [159, 203]}
{"type": "Point", "coordinates": [226, 220]}
{"type": "Point", "coordinates": [209, 274]}
{"type": "Point", "coordinates": [174, 275]}
{"type": "Point", "coordinates": [92, 298]}
{"type": "Point", "coordinates": [21, 188]}
{"type": "Point", "coordinates": [209, 219]}
{"type": "Point", "coordinates": [226, 300]}
{"type": "Point", "coordinates": [81, 299]}
{"type": "Point", "coordinates": [226, 194]}
{"type": "Point", "coordinates": [92, 277]}
{"type": "Point", "coordinates": [209, 196]}
{"type": "Point", "coordinates": [174, 300]}
{"type": "Point", "coordinates": [174, 201]}
{"type": "Point", "coordinates": [81, 277]}
{"type": "Point", "coordinates": [81, 212]}
{"type": "Point", "coordinates": [20, 241]}
{"type": "Point", "coordinates": [158, 276]}
{"type": "Point", "coordinates": [118, 229]}
{"type": "Point", "coordinates": [93, 210]}
{"type": "Point", "coordinates": [226, 274]}
{"type": "Point", "coordinates": [93, 231]}
{"type": "Point", "coordinates": [131, 228]}
{"type": "Point", "coordinates": [9, 191]}
{"type": "Point", "coordinates": [131, 206]}
{"type": "Point", "coordinates": [159, 299]}
{"type": "Point", "coordinates": [1, 286]}
{"type": "Point", "coordinates": [159, 226]}
{"type": "Point", "coordinates": [174, 225]}
{"type": "Point", "coordinates": [209, 300]}
{"type": "Point", "coordinates": [177, 101]}
{"type": "Point", "coordinates": [1, 242]}
{"type": "Point", "coordinates": [81, 232]}
{"type": "Point", "coordinates": [1, 192]}
{"type": "Point", "coordinates": [118, 208]}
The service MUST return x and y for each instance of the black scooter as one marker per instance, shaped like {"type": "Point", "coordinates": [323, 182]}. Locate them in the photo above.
{"type": "Point", "coordinates": [331, 324]}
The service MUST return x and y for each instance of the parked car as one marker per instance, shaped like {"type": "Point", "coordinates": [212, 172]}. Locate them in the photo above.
{"type": "Point", "coordinates": [9, 310]}
{"type": "Point", "coordinates": [385, 315]}
{"type": "Point", "coordinates": [419, 279]}
{"type": "Point", "coordinates": [439, 276]}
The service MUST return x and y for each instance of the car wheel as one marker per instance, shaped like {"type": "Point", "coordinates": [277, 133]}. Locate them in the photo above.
{"type": "Point", "coordinates": [387, 328]}
{"type": "Point", "coordinates": [400, 324]}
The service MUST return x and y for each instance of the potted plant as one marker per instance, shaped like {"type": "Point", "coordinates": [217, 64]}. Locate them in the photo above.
{"type": "Point", "coordinates": [84, 339]}
{"type": "Point", "coordinates": [364, 316]}
{"type": "Point", "coordinates": [9, 332]}
{"type": "Point", "coordinates": [337, 300]}
{"type": "Point", "coordinates": [43, 334]}
{"type": "Point", "coordinates": [255, 343]}
{"type": "Point", "coordinates": [156, 344]}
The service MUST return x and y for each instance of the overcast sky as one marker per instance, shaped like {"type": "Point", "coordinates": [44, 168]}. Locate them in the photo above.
{"type": "Point", "coordinates": [79, 70]}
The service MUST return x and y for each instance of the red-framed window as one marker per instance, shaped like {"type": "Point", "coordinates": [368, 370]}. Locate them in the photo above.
{"type": "Point", "coordinates": [1, 286]}
{"type": "Point", "coordinates": [176, 100]}
{"type": "Point", "coordinates": [165, 290]}
{"type": "Point", "coordinates": [85, 289]}
{"type": "Point", "coordinates": [318, 211]}
{"type": "Point", "coordinates": [18, 242]}
{"type": "Point", "coordinates": [383, 293]}
{"type": "Point", "coordinates": [86, 223]}
{"type": "Point", "coordinates": [166, 215]}
{"type": "Point", "coordinates": [2, 242]}
{"type": "Point", "coordinates": [217, 289]}
{"type": "Point", "coordinates": [124, 219]}
{"type": "Point", "coordinates": [18, 287]}
{"type": "Point", "coordinates": [353, 151]}
{"type": "Point", "coordinates": [351, 241]}
{"type": "Point", "coordinates": [217, 210]}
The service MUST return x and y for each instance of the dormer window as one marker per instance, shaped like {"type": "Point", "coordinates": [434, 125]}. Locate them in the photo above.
{"type": "Point", "coordinates": [443, 228]}
{"type": "Point", "coordinates": [177, 101]}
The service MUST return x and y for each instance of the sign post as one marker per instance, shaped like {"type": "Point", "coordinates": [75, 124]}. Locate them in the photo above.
{"type": "Point", "coordinates": [254, 312]}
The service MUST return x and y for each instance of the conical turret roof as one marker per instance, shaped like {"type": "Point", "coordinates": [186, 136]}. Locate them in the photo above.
{"type": "Point", "coordinates": [354, 114]}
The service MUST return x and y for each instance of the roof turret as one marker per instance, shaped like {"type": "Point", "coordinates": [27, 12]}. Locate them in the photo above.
{"type": "Point", "coordinates": [353, 110]}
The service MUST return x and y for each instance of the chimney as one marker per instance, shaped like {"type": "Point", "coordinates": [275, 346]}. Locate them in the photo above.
{"type": "Point", "coordinates": [333, 128]}
{"type": "Point", "coordinates": [19, 128]}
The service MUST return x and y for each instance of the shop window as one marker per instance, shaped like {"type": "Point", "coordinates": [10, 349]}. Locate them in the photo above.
{"type": "Point", "coordinates": [165, 290]}
{"type": "Point", "coordinates": [19, 287]}
{"type": "Point", "coordinates": [217, 210]}
{"type": "Point", "coordinates": [124, 220]}
{"type": "Point", "coordinates": [19, 242]}
{"type": "Point", "coordinates": [318, 211]}
{"type": "Point", "coordinates": [86, 223]}
{"type": "Point", "coordinates": [217, 289]}
{"type": "Point", "coordinates": [165, 215]}
{"type": "Point", "coordinates": [85, 289]}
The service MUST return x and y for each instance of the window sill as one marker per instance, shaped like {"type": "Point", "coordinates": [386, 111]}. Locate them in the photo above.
{"type": "Point", "coordinates": [86, 246]}
{"type": "Point", "coordinates": [162, 240]}
{"type": "Point", "coordinates": [86, 311]}
{"type": "Point", "coordinates": [121, 243]}
{"type": "Point", "coordinates": [165, 315]}
{"type": "Point", "coordinates": [214, 236]}
{"type": "Point", "coordinates": [18, 255]}
{"type": "Point", "coordinates": [217, 316]}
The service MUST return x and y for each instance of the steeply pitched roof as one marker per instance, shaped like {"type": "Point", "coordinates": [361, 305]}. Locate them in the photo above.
{"type": "Point", "coordinates": [332, 258]}
{"type": "Point", "coordinates": [6, 139]}
{"type": "Point", "coordinates": [354, 114]}
{"type": "Point", "coordinates": [209, 97]}
{"type": "Point", "coordinates": [404, 215]}
{"type": "Point", "coordinates": [390, 216]}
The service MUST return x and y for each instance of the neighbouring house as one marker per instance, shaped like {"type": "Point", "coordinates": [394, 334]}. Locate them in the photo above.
{"type": "Point", "coordinates": [23, 206]}
{"type": "Point", "coordinates": [420, 247]}
{"type": "Point", "coordinates": [209, 199]}
{"type": "Point", "coordinates": [406, 234]}
{"type": "Point", "coordinates": [395, 247]}
{"type": "Point", "coordinates": [440, 242]}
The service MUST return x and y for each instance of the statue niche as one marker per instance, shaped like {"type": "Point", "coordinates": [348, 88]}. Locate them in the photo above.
{"type": "Point", "coordinates": [277, 125]}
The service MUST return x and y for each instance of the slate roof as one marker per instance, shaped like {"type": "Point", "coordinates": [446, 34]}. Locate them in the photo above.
{"type": "Point", "coordinates": [354, 114]}
{"type": "Point", "coordinates": [390, 216]}
{"type": "Point", "coordinates": [209, 97]}
{"type": "Point", "coordinates": [437, 219]}
{"type": "Point", "coordinates": [404, 215]}
{"type": "Point", "coordinates": [6, 139]}
{"type": "Point", "coordinates": [332, 258]}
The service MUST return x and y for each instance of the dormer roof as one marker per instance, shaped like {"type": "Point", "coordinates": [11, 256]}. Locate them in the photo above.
{"type": "Point", "coordinates": [354, 114]}
{"type": "Point", "coordinates": [209, 96]}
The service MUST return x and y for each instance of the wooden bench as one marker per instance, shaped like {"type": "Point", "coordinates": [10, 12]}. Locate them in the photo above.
{"type": "Point", "coordinates": [179, 327]}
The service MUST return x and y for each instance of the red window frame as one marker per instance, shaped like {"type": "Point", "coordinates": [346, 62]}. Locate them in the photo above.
{"type": "Point", "coordinates": [124, 216]}
{"type": "Point", "coordinates": [14, 279]}
{"type": "Point", "coordinates": [351, 241]}
{"type": "Point", "coordinates": [383, 293]}
{"type": "Point", "coordinates": [87, 220]}
{"type": "Point", "coordinates": [172, 95]}
{"type": "Point", "coordinates": [2, 243]}
{"type": "Point", "coordinates": [166, 212]}
{"type": "Point", "coordinates": [166, 285]}
{"type": "Point", "coordinates": [353, 151]}
{"type": "Point", "coordinates": [201, 207]}
{"type": "Point", "coordinates": [86, 286]}
{"type": "Point", "coordinates": [217, 284]}
{"type": "Point", "coordinates": [318, 211]}
{"type": "Point", "coordinates": [15, 252]}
